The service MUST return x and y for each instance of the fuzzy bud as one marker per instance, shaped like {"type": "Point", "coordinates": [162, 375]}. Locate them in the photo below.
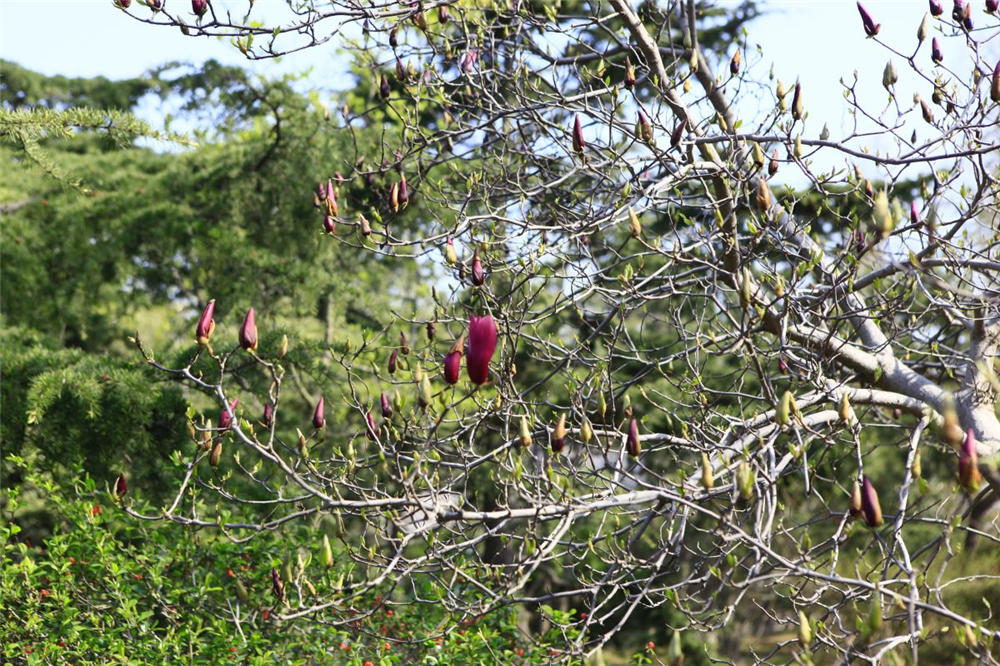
{"type": "Point", "coordinates": [449, 252]}
{"type": "Point", "coordinates": [404, 344]}
{"type": "Point", "coordinates": [525, 431]}
{"type": "Point", "coordinates": [881, 214]}
{"type": "Point", "coordinates": [951, 431]}
{"type": "Point", "coordinates": [268, 417]}
{"type": "Point", "coordinates": [404, 192]}
{"type": "Point", "coordinates": [772, 167]}
{"type": "Point", "coordinates": [586, 431]}
{"type": "Point", "coordinates": [370, 428]}
{"type": "Point", "coordinates": [675, 136]}
{"type": "Point", "coordinates": [797, 108]}
{"type": "Point", "coordinates": [482, 345]}
{"type": "Point", "coordinates": [805, 630]}
{"type": "Point", "coordinates": [745, 479]}
{"type": "Point", "coordinates": [995, 84]}
{"type": "Point", "coordinates": [629, 74]}
{"type": "Point", "coordinates": [707, 476]}
{"type": "Point", "coordinates": [936, 8]}
{"type": "Point", "coordinates": [936, 55]}
{"type": "Point", "coordinates": [277, 586]}
{"type": "Point", "coordinates": [121, 487]}
{"type": "Point", "coordinates": [199, 7]}
{"type": "Point", "coordinates": [854, 508]}
{"type": "Point", "coordinates": [366, 227]}
{"type": "Point", "coordinates": [634, 226]}
{"type": "Point", "coordinates": [213, 457]}
{"type": "Point", "coordinates": [889, 76]}
{"type": "Point", "coordinates": [784, 406]}
{"type": "Point", "coordinates": [327, 553]}
{"type": "Point", "coordinates": [392, 361]}
{"type": "Point", "coordinates": [383, 87]}
{"type": "Point", "coordinates": [991, 6]}
{"type": "Point", "coordinates": [329, 225]}
{"type": "Point", "coordinates": [734, 64]}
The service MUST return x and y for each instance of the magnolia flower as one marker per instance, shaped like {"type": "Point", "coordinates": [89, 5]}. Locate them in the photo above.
{"type": "Point", "coordinates": [482, 344]}
{"type": "Point", "coordinates": [319, 415]}
{"type": "Point", "coordinates": [203, 332]}
{"type": "Point", "coordinates": [248, 332]}
{"type": "Point", "coordinates": [453, 360]}
{"type": "Point", "coordinates": [869, 503]}
{"type": "Point", "coordinates": [199, 7]}
{"type": "Point", "coordinates": [871, 27]}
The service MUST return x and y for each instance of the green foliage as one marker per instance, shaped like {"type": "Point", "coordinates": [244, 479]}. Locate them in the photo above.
{"type": "Point", "coordinates": [106, 588]}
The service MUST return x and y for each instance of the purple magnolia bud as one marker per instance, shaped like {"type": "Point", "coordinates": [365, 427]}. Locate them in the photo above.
{"type": "Point", "coordinates": [958, 11]}
{"type": "Point", "coordinates": [478, 274]}
{"type": "Point", "coordinates": [248, 332]}
{"type": "Point", "coordinates": [936, 8]}
{"type": "Point", "coordinates": [383, 87]}
{"type": "Point", "coordinates": [277, 586]}
{"type": "Point", "coordinates": [329, 225]}
{"type": "Point", "coordinates": [632, 444]}
{"type": "Point", "coordinates": [268, 417]}
{"type": "Point", "coordinates": [629, 74]}
{"type": "Point", "coordinates": [991, 6]}
{"type": "Point", "coordinates": [675, 136]}
{"type": "Point", "coordinates": [558, 440]}
{"type": "Point", "coordinates": [320, 193]}
{"type": "Point", "coordinates": [319, 415]}
{"type": "Point", "coordinates": [936, 55]}
{"type": "Point", "coordinates": [206, 325]}
{"type": "Point", "coordinates": [734, 64]}
{"type": "Point", "coordinates": [404, 344]}
{"type": "Point", "coordinates": [366, 228]}
{"type": "Point", "coordinates": [855, 508]}
{"type": "Point", "coordinates": [370, 428]}
{"type": "Point", "coordinates": [482, 344]}
{"type": "Point", "coordinates": [226, 415]}
{"type": "Point", "coordinates": [199, 7]}
{"type": "Point", "coordinates": [869, 503]}
{"type": "Point", "coordinates": [453, 360]}
{"type": "Point", "coordinates": [783, 365]}
{"type": "Point", "coordinates": [443, 15]}
{"type": "Point", "coordinates": [155, 5]}
{"type": "Point", "coordinates": [331, 191]}
{"type": "Point", "coordinates": [400, 70]}
{"type": "Point", "coordinates": [393, 36]}
{"type": "Point", "coordinates": [995, 84]}
{"type": "Point", "coordinates": [386, 407]}
{"type": "Point", "coordinates": [914, 213]}
{"type": "Point", "coordinates": [967, 18]}
{"type": "Point", "coordinates": [392, 361]}
{"type": "Point", "coordinates": [431, 329]}
{"type": "Point", "coordinates": [123, 4]}
{"type": "Point", "coordinates": [968, 463]}
{"type": "Point", "coordinates": [120, 486]}
{"type": "Point", "coordinates": [871, 27]}
{"type": "Point", "coordinates": [578, 143]}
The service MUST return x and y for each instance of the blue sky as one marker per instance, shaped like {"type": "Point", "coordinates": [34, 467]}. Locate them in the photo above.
{"type": "Point", "coordinates": [816, 41]}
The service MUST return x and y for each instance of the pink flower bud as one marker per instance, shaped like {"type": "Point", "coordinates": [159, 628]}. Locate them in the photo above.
{"type": "Point", "coordinates": [120, 486]}
{"type": "Point", "coordinates": [968, 463]}
{"type": "Point", "coordinates": [206, 325]}
{"type": "Point", "coordinates": [675, 136]}
{"type": "Point", "coordinates": [995, 84]}
{"type": "Point", "coordinates": [320, 194]}
{"type": "Point", "coordinates": [386, 407]}
{"type": "Point", "coordinates": [936, 8]}
{"type": "Point", "coordinates": [404, 344]}
{"type": "Point", "coordinates": [383, 87]}
{"type": "Point", "coordinates": [248, 332]}
{"type": "Point", "coordinates": [453, 361]}
{"type": "Point", "coordinates": [431, 329]}
{"type": "Point", "coordinates": [578, 143]}
{"type": "Point", "coordinates": [331, 191]}
{"type": "Point", "coordinates": [400, 70]}
{"type": "Point", "coordinates": [370, 428]}
{"type": "Point", "coordinates": [277, 586]}
{"type": "Point", "coordinates": [329, 225]}
{"type": "Point", "coordinates": [478, 274]}
{"type": "Point", "coordinates": [871, 28]}
{"type": "Point", "coordinates": [319, 415]}
{"type": "Point", "coordinates": [268, 417]}
{"type": "Point", "coordinates": [482, 344]}
{"type": "Point", "coordinates": [155, 5]}
{"type": "Point", "coordinates": [226, 415]}
{"type": "Point", "coordinates": [629, 74]}
{"type": "Point", "coordinates": [443, 15]}
{"type": "Point", "coordinates": [958, 11]}
{"type": "Point", "coordinates": [914, 213]}
{"type": "Point", "coordinates": [936, 55]}
{"type": "Point", "coordinates": [392, 361]}
{"type": "Point", "coordinates": [199, 7]}
{"type": "Point", "coordinates": [991, 6]}
{"type": "Point", "coordinates": [632, 444]}
{"type": "Point", "coordinates": [558, 440]}
{"type": "Point", "coordinates": [869, 503]}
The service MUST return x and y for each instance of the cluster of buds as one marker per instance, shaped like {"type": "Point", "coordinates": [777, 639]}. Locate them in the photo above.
{"type": "Point", "coordinates": [325, 197]}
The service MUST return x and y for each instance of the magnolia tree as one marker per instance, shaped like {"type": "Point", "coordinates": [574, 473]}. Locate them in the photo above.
{"type": "Point", "coordinates": [640, 372]}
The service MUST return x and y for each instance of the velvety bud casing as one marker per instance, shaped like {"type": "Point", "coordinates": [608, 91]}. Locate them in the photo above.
{"type": "Point", "coordinates": [248, 332]}
{"type": "Point", "coordinates": [936, 7]}
{"type": "Point", "coordinates": [482, 344]}
{"type": "Point", "coordinates": [936, 54]}
{"type": "Point", "coordinates": [268, 416]}
{"type": "Point", "coordinates": [206, 324]}
{"type": "Point", "coordinates": [559, 435]}
{"type": "Point", "coordinates": [199, 7]}
{"type": "Point", "coordinates": [392, 361]}
{"type": "Point", "coordinates": [121, 487]}
{"type": "Point", "coordinates": [370, 428]}
{"type": "Point", "coordinates": [386, 406]}
{"type": "Point", "coordinates": [578, 142]}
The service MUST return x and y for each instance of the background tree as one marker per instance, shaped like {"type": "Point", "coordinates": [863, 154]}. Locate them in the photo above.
{"type": "Point", "coordinates": [694, 368]}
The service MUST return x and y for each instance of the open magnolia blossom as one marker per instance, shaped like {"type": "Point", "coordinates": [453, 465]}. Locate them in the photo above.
{"type": "Point", "coordinates": [715, 346]}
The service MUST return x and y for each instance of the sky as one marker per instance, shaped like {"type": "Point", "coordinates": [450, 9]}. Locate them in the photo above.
{"type": "Point", "coordinates": [815, 41]}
